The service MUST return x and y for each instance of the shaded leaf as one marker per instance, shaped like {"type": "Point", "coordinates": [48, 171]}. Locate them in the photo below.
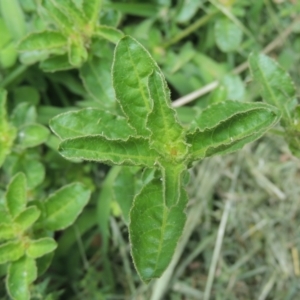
{"type": "Point", "coordinates": [32, 135]}
{"type": "Point", "coordinates": [91, 121]}
{"type": "Point", "coordinates": [21, 274]}
{"type": "Point", "coordinates": [40, 247]}
{"type": "Point", "coordinates": [276, 85]}
{"type": "Point", "coordinates": [16, 195]}
{"type": "Point", "coordinates": [63, 207]}
{"type": "Point", "coordinates": [154, 230]}
{"type": "Point", "coordinates": [56, 63]}
{"type": "Point", "coordinates": [91, 10]}
{"type": "Point", "coordinates": [228, 35]}
{"type": "Point", "coordinates": [134, 151]}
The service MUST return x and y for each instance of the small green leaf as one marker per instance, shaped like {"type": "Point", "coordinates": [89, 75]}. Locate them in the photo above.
{"type": "Point", "coordinates": [11, 251]}
{"type": "Point", "coordinates": [77, 52]}
{"type": "Point", "coordinates": [7, 231]}
{"type": "Point", "coordinates": [23, 113]}
{"type": "Point", "coordinates": [134, 151]}
{"type": "Point", "coordinates": [16, 195]}
{"type": "Point", "coordinates": [32, 135]}
{"type": "Point", "coordinates": [52, 41]}
{"type": "Point", "coordinates": [56, 63]}
{"type": "Point", "coordinates": [131, 68]}
{"type": "Point", "coordinates": [276, 85]}
{"type": "Point", "coordinates": [91, 10]}
{"type": "Point", "coordinates": [91, 121]}
{"type": "Point", "coordinates": [7, 132]}
{"type": "Point", "coordinates": [109, 33]}
{"type": "Point", "coordinates": [154, 230]}
{"type": "Point", "coordinates": [227, 126]}
{"type": "Point", "coordinates": [40, 247]}
{"type": "Point", "coordinates": [21, 274]}
{"type": "Point", "coordinates": [27, 217]}
{"type": "Point", "coordinates": [167, 134]}
{"type": "Point", "coordinates": [96, 77]}
{"type": "Point", "coordinates": [63, 207]}
{"type": "Point", "coordinates": [228, 35]}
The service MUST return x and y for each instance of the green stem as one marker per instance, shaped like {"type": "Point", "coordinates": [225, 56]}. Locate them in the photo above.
{"type": "Point", "coordinates": [13, 75]}
{"type": "Point", "coordinates": [187, 31]}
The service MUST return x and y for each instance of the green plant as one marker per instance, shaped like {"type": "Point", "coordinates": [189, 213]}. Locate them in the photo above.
{"type": "Point", "coordinates": [148, 135]}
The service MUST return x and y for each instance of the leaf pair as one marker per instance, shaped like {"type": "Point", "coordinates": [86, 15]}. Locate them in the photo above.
{"type": "Point", "coordinates": [21, 246]}
{"type": "Point", "coordinates": [66, 47]}
{"type": "Point", "coordinates": [149, 136]}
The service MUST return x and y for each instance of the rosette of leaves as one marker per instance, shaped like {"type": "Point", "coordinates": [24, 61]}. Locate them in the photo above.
{"type": "Point", "coordinates": [277, 88]}
{"type": "Point", "coordinates": [26, 231]}
{"type": "Point", "coordinates": [67, 45]}
{"type": "Point", "coordinates": [149, 135]}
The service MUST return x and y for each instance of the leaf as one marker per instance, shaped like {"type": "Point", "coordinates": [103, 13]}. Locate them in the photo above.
{"type": "Point", "coordinates": [23, 113]}
{"type": "Point", "coordinates": [11, 251]}
{"type": "Point", "coordinates": [52, 41]}
{"type": "Point", "coordinates": [21, 274]}
{"type": "Point", "coordinates": [27, 218]}
{"type": "Point", "coordinates": [275, 84]}
{"type": "Point", "coordinates": [56, 63]}
{"type": "Point", "coordinates": [77, 52]}
{"type": "Point", "coordinates": [7, 231]}
{"type": "Point", "coordinates": [7, 132]}
{"type": "Point", "coordinates": [91, 121]}
{"type": "Point", "coordinates": [134, 151]}
{"type": "Point", "coordinates": [63, 207]}
{"type": "Point", "coordinates": [223, 130]}
{"type": "Point", "coordinates": [96, 77]}
{"type": "Point", "coordinates": [124, 190]}
{"type": "Point", "coordinates": [40, 247]}
{"type": "Point", "coordinates": [32, 135]}
{"type": "Point", "coordinates": [16, 195]}
{"type": "Point", "coordinates": [131, 68]}
{"type": "Point", "coordinates": [167, 134]}
{"type": "Point", "coordinates": [154, 230]}
{"type": "Point", "coordinates": [91, 10]}
{"type": "Point", "coordinates": [109, 33]}
{"type": "Point", "coordinates": [228, 35]}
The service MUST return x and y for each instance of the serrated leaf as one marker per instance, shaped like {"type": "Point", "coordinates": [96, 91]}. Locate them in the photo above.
{"type": "Point", "coordinates": [91, 121]}
{"type": "Point", "coordinates": [21, 274]}
{"type": "Point", "coordinates": [52, 41]}
{"type": "Point", "coordinates": [11, 251]}
{"type": "Point", "coordinates": [221, 130]}
{"type": "Point", "coordinates": [154, 230]}
{"type": "Point", "coordinates": [131, 68]}
{"type": "Point", "coordinates": [276, 85]}
{"type": "Point", "coordinates": [228, 35]}
{"type": "Point", "coordinates": [40, 247]}
{"type": "Point", "coordinates": [6, 231]}
{"type": "Point", "coordinates": [27, 218]}
{"type": "Point", "coordinates": [167, 134]}
{"type": "Point", "coordinates": [16, 195]}
{"type": "Point", "coordinates": [96, 77]}
{"type": "Point", "coordinates": [7, 132]}
{"type": "Point", "coordinates": [32, 135]}
{"type": "Point", "coordinates": [63, 207]}
{"type": "Point", "coordinates": [109, 33]}
{"type": "Point", "coordinates": [132, 152]}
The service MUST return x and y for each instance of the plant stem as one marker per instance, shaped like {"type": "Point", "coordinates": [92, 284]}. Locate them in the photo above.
{"type": "Point", "coordinates": [190, 29]}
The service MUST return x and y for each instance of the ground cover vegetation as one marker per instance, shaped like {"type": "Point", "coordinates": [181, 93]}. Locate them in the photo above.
{"type": "Point", "coordinates": [113, 119]}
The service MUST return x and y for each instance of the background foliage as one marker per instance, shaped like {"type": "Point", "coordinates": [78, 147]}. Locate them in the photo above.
{"type": "Point", "coordinates": [241, 240]}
